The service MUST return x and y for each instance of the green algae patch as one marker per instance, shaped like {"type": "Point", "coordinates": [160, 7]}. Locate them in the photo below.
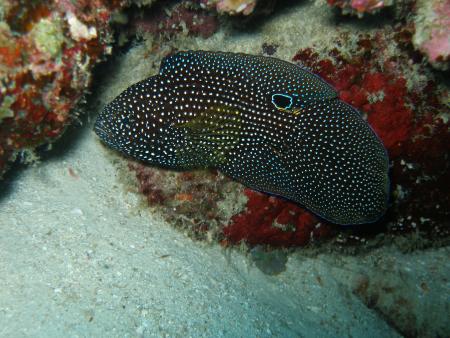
{"type": "Point", "coordinates": [5, 107]}
{"type": "Point", "coordinates": [48, 36]}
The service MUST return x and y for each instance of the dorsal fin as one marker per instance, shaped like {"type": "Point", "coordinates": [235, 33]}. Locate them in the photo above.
{"type": "Point", "coordinates": [308, 86]}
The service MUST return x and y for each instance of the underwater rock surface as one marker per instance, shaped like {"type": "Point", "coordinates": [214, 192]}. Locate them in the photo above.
{"type": "Point", "coordinates": [432, 32]}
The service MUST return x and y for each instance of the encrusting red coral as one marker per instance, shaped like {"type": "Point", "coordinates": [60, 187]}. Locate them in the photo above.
{"type": "Point", "coordinates": [270, 220]}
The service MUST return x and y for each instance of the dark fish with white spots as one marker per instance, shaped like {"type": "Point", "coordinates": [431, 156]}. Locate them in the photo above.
{"type": "Point", "coordinates": [270, 124]}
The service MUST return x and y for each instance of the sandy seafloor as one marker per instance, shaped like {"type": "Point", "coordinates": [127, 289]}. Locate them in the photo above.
{"type": "Point", "coordinates": [81, 257]}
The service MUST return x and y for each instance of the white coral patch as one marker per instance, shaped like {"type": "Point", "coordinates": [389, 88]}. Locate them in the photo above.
{"type": "Point", "coordinates": [79, 30]}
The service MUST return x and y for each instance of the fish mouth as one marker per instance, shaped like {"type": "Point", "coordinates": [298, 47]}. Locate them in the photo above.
{"type": "Point", "coordinates": [103, 132]}
{"type": "Point", "coordinates": [100, 129]}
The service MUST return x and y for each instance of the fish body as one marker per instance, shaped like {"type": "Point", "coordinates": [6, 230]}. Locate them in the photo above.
{"type": "Point", "coordinates": [267, 123]}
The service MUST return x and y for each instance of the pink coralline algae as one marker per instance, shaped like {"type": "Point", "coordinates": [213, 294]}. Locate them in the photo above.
{"type": "Point", "coordinates": [232, 7]}
{"type": "Point", "coordinates": [359, 7]}
{"type": "Point", "coordinates": [430, 19]}
{"type": "Point", "coordinates": [243, 8]}
{"type": "Point", "coordinates": [432, 35]}
{"type": "Point", "coordinates": [46, 52]}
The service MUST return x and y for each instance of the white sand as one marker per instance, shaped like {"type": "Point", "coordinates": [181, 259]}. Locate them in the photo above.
{"type": "Point", "coordinates": [78, 258]}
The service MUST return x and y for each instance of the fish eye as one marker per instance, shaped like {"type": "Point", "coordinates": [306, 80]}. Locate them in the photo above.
{"type": "Point", "coordinates": [282, 101]}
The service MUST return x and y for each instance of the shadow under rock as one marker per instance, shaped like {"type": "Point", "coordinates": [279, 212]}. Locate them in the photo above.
{"type": "Point", "coordinates": [50, 152]}
{"type": "Point", "coordinates": [45, 153]}
{"type": "Point", "coordinates": [332, 15]}
{"type": "Point", "coordinates": [384, 17]}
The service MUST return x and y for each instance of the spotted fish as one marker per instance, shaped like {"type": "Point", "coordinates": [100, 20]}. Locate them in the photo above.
{"type": "Point", "coordinates": [270, 124]}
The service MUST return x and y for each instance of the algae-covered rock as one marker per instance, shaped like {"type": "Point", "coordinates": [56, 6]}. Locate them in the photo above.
{"type": "Point", "coordinates": [47, 51]}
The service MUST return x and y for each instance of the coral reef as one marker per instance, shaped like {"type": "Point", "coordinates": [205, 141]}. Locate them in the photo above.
{"type": "Point", "coordinates": [430, 19]}
{"type": "Point", "coordinates": [143, 3]}
{"type": "Point", "coordinates": [380, 75]}
{"type": "Point", "coordinates": [47, 50]}
{"type": "Point", "coordinates": [409, 112]}
{"type": "Point", "coordinates": [432, 34]}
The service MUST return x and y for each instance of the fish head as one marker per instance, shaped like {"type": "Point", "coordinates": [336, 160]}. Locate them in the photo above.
{"type": "Point", "coordinates": [138, 123]}
{"type": "Point", "coordinates": [114, 126]}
